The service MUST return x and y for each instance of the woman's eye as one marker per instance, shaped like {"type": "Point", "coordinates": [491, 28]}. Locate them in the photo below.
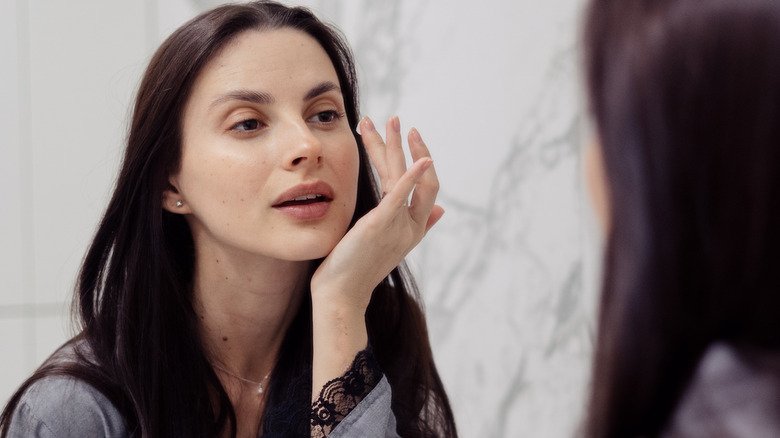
{"type": "Point", "coordinates": [326, 117]}
{"type": "Point", "coordinates": [246, 125]}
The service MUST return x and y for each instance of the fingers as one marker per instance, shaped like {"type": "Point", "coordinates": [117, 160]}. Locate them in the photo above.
{"type": "Point", "coordinates": [398, 183]}
{"type": "Point", "coordinates": [388, 158]}
{"type": "Point", "coordinates": [397, 197]}
{"type": "Point", "coordinates": [375, 147]}
{"type": "Point", "coordinates": [424, 195]}
{"type": "Point", "coordinates": [396, 161]}
{"type": "Point", "coordinates": [423, 211]}
{"type": "Point", "coordinates": [436, 213]}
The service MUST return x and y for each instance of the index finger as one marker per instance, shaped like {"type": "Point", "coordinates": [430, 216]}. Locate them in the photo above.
{"type": "Point", "coordinates": [375, 147]}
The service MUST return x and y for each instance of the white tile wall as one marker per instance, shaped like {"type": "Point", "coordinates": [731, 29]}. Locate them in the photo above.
{"type": "Point", "coordinates": [12, 159]}
{"type": "Point", "coordinates": [83, 70]}
{"type": "Point", "coordinates": [508, 275]}
{"type": "Point", "coordinates": [68, 72]}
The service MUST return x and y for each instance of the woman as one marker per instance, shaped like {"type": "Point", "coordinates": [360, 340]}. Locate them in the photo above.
{"type": "Point", "coordinates": [686, 100]}
{"type": "Point", "coordinates": [244, 278]}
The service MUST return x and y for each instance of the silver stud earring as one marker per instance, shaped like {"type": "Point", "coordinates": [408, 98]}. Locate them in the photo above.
{"type": "Point", "coordinates": [179, 204]}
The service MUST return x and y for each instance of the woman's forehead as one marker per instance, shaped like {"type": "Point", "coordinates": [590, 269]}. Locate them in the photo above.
{"type": "Point", "coordinates": [270, 59]}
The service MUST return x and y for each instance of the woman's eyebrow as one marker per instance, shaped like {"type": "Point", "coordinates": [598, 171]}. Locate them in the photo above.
{"type": "Point", "coordinates": [322, 88]}
{"type": "Point", "coordinates": [257, 97]}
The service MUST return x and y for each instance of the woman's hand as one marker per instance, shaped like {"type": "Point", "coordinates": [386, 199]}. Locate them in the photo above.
{"type": "Point", "coordinates": [379, 240]}
{"type": "Point", "coordinates": [341, 287]}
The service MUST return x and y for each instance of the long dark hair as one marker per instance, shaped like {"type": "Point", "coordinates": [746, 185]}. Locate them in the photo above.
{"type": "Point", "coordinates": [686, 99]}
{"type": "Point", "coordinates": [138, 342]}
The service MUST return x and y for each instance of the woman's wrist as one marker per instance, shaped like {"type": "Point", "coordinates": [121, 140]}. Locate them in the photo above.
{"type": "Point", "coordinates": [334, 300]}
{"type": "Point", "coordinates": [339, 334]}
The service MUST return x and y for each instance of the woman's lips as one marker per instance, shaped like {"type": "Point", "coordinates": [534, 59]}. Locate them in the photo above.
{"type": "Point", "coordinates": [304, 211]}
{"type": "Point", "coordinates": [307, 201]}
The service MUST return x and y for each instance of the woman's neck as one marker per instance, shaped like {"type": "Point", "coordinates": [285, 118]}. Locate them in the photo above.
{"type": "Point", "coordinates": [245, 308]}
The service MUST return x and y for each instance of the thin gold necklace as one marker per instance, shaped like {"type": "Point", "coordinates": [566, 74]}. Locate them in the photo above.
{"type": "Point", "coordinates": [259, 384]}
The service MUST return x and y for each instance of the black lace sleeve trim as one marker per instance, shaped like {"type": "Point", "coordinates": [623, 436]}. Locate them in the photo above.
{"type": "Point", "coordinates": [341, 395]}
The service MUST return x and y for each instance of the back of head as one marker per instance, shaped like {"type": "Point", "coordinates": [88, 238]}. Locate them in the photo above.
{"type": "Point", "coordinates": [686, 99]}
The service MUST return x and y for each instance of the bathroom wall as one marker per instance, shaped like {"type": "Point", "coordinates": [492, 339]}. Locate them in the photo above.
{"type": "Point", "coordinates": [508, 276]}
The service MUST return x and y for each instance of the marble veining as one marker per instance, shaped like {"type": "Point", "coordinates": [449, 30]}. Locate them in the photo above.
{"type": "Point", "coordinates": [510, 315]}
{"type": "Point", "coordinates": [507, 276]}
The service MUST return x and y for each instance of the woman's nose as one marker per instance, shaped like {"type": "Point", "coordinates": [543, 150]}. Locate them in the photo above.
{"type": "Point", "coordinates": [302, 148]}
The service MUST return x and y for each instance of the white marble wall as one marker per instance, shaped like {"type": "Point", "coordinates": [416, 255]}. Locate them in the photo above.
{"type": "Point", "coordinates": [508, 275]}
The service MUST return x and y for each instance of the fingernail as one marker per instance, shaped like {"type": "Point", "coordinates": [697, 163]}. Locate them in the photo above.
{"type": "Point", "coordinates": [367, 124]}
{"type": "Point", "coordinates": [396, 124]}
{"type": "Point", "coordinates": [415, 135]}
{"type": "Point", "coordinates": [427, 164]}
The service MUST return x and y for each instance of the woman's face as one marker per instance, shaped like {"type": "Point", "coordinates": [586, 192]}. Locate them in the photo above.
{"type": "Point", "coordinates": [269, 163]}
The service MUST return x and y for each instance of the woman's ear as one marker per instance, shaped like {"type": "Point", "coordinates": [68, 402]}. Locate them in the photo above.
{"type": "Point", "coordinates": [173, 199]}
{"type": "Point", "coordinates": [596, 182]}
